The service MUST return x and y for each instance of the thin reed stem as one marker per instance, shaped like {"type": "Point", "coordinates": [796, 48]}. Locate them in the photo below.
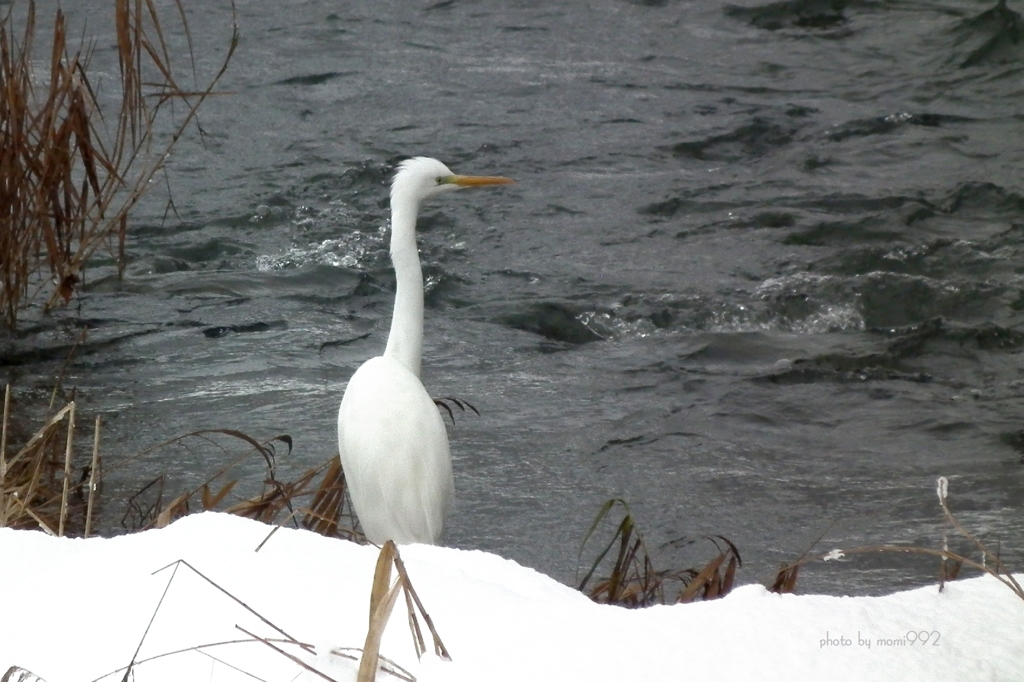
{"type": "Point", "coordinates": [3, 458]}
{"type": "Point", "coordinates": [70, 175]}
{"type": "Point", "coordinates": [94, 470]}
{"type": "Point", "coordinates": [67, 471]}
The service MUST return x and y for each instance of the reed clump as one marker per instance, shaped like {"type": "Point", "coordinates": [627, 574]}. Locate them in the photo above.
{"type": "Point", "coordinates": [37, 488]}
{"type": "Point", "coordinates": [48, 484]}
{"type": "Point", "coordinates": [315, 500]}
{"type": "Point", "coordinates": [950, 562]}
{"type": "Point", "coordinates": [623, 572]}
{"type": "Point", "coordinates": [383, 596]}
{"type": "Point", "coordinates": [71, 171]}
{"type": "Point", "coordinates": [632, 579]}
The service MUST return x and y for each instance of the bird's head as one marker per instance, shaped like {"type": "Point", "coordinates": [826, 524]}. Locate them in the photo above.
{"type": "Point", "coordinates": [422, 177]}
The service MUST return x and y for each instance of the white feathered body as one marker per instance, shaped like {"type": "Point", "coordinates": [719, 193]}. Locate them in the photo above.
{"type": "Point", "coordinates": [391, 438]}
{"type": "Point", "coordinates": [394, 451]}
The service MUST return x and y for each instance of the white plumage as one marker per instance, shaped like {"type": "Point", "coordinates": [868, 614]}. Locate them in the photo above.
{"type": "Point", "coordinates": [391, 438]}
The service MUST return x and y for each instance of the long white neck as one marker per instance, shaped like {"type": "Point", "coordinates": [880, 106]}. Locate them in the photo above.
{"type": "Point", "coordinates": [405, 342]}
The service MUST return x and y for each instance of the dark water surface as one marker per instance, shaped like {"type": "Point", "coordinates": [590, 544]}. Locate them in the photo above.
{"type": "Point", "coordinates": [761, 272]}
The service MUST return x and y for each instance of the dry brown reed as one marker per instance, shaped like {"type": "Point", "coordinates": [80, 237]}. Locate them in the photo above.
{"type": "Point", "coordinates": [94, 474]}
{"type": "Point", "coordinates": [36, 481]}
{"type": "Point", "coordinates": [3, 456]}
{"type": "Point", "coordinates": [383, 596]}
{"type": "Point", "coordinates": [712, 581]}
{"type": "Point", "coordinates": [950, 563]}
{"type": "Point", "coordinates": [322, 507]}
{"type": "Point", "coordinates": [632, 579]}
{"type": "Point", "coordinates": [68, 176]}
{"type": "Point", "coordinates": [128, 670]}
{"type": "Point", "coordinates": [44, 486]}
{"type": "Point", "coordinates": [17, 674]}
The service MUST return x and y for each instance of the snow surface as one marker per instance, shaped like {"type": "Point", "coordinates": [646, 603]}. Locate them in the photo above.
{"type": "Point", "coordinates": [76, 610]}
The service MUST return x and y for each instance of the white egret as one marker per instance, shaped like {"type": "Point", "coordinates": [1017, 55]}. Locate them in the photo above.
{"type": "Point", "coordinates": [391, 438]}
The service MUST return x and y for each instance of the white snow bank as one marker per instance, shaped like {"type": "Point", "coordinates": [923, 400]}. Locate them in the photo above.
{"type": "Point", "coordinates": [75, 610]}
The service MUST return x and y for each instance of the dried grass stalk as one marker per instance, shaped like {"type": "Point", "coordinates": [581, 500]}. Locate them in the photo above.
{"type": "Point", "coordinates": [280, 501]}
{"type": "Point", "coordinates": [94, 475]}
{"type": "Point", "coordinates": [17, 674]}
{"type": "Point", "coordinates": [785, 579]}
{"type": "Point", "coordinates": [67, 471]}
{"type": "Point", "coordinates": [32, 487]}
{"type": "Point", "coordinates": [632, 578]}
{"type": "Point", "coordinates": [330, 513]}
{"type": "Point", "coordinates": [39, 491]}
{"type": "Point", "coordinates": [711, 582]}
{"type": "Point", "coordinates": [68, 179]}
{"type": "Point", "coordinates": [3, 457]}
{"type": "Point", "coordinates": [950, 562]}
{"type": "Point", "coordinates": [383, 596]}
{"type": "Point", "coordinates": [276, 644]}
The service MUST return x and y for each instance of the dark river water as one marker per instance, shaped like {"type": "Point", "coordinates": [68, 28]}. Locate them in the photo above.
{"type": "Point", "coordinates": [762, 273]}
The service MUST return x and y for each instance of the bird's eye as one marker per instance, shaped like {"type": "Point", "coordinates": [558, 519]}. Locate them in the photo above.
{"type": "Point", "coordinates": [439, 180]}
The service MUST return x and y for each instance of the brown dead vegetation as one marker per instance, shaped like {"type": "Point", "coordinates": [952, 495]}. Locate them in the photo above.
{"type": "Point", "coordinates": [950, 562]}
{"type": "Point", "coordinates": [70, 172]}
{"type": "Point", "coordinates": [633, 581]}
{"type": "Point", "coordinates": [46, 485]}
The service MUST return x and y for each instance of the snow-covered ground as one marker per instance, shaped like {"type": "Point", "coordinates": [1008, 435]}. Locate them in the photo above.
{"type": "Point", "coordinates": [75, 610]}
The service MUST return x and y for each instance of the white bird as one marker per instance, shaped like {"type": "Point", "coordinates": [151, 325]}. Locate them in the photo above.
{"type": "Point", "coordinates": [391, 438]}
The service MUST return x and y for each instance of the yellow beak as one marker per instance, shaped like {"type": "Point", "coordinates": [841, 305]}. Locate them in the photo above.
{"type": "Point", "coordinates": [477, 180]}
